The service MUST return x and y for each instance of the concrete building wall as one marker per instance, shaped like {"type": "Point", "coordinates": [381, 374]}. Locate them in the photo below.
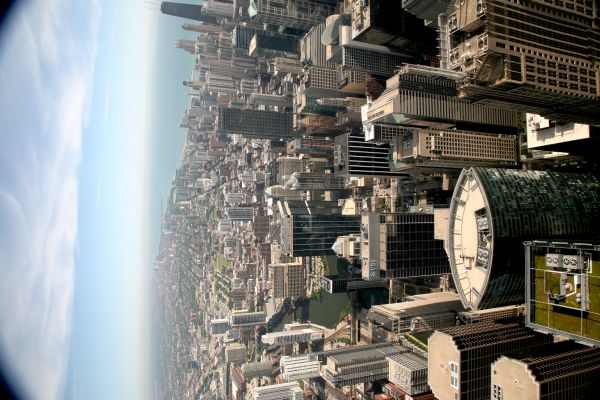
{"type": "Point", "coordinates": [438, 365]}
{"type": "Point", "coordinates": [513, 380]}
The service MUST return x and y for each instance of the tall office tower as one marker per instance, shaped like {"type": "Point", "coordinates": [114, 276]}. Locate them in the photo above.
{"type": "Point", "coordinates": [278, 192]}
{"type": "Point", "coordinates": [270, 45]}
{"type": "Point", "coordinates": [311, 228]}
{"type": "Point", "coordinates": [189, 11]}
{"type": "Point", "coordinates": [235, 353]}
{"type": "Point", "coordinates": [540, 57]}
{"type": "Point", "coordinates": [352, 54]}
{"type": "Point", "coordinates": [286, 65]}
{"type": "Point", "coordinates": [438, 149]}
{"type": "Point", "coordinates": [255, 123]}
{"type": "Point", "coordinates": [243, 34]}
{"type": "Point", "coordinates": [280, 391]}
{"type": "Point", "coordinates": [563, 289]}
{"type": "Point", "coordinates": [235, 198]}
{"type": "Point", "coordinates": [219, 326]}
{"type": "Point", "coordinates": [494, 210]}
{"type": "Point", "coordinates": [300, 14]}
{"type": "Point", "coordinates": [240, 213]}
{"type": "Point", "coordinates": [399, 245]}
{"type": "Point", "coordinates": [244, 318]}
{"type": "Point", "coordinates": [286, 166]}
{"type": "Point", "coordinates": [315, 181]}
{"type": "Point", "coordinates": [219, 83]}
{"type": "Point", "coordinates": [312, 51]}
{"type": "Point", "coordinates": [359, 364]}
{"type": "Point", "coordinates": [225, 67]}
{"type": "Point", "coordinates": [565, 369]}
{"type": "Point", "coordinates": [427, 10]}
{"type": "Point", "coordinates": [288, 280]}
{"type": "Point", "coordinates": [386, 23]}
{"type": "Point", "coordinates": [257, 369]}
{"type": "Point", "coordinates": [311, 146]}
{"type": "Point", "coordinates": [270, 100]}
{"type": "Point", "coordinates": [353, 156]}
{"type": "Point", "coordinates": [202, 28]}
{"type": "Point", "coordinates": [238, 384]}
{"type": "Point", "coordinates": [218, 8]}
{"type": "Point", "coordinates": [248, 86]}
{"type": "Point", "coordinates": [424, 96]}
{"type": "Point", "coordinates": [430, 311]}
{"type": "Point", "coordinates": [187, 45]}
{"type": "Point", "coordinates": [459, 358]}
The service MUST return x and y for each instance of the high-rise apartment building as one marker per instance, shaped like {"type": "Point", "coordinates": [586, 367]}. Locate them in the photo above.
{"type": "Point", "coordinates": [459, 358]}
{"type": "Point", "coordinates": [288, 280]}
{"type": "Point", "coordinates": [494, 210]}
{"type": "Point", "coordinates": [255, 123]}
{"type": "Point", "coordinates": [535, 56]}
{"type": "Point", "coordinates": [399, 245]}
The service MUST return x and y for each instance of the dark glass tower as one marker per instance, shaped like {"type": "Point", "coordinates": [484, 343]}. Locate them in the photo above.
{"type": "Point", "coordinates": [189, 11]}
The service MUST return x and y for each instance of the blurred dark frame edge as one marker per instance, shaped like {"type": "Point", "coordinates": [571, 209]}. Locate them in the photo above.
{"type": "Point", "coordinates": [6, 7]}
{"type": "Point", "coordinates": [6, 392]}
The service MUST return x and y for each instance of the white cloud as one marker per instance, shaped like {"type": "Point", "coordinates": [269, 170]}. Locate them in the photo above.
{"type": "Point", "coordinates": [46, 76]}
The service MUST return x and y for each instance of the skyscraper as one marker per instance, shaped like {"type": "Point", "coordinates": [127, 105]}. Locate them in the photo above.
{"type": "Point", "coordinates": [353, 156]}
{"type": "Point", "coordinates": [311, 228]}
{"type": "Point", "coordinates": [255, 123]}
{"type": "Point", "coordinates": [494, 210]}
{"type": "Point", "coordinates": [189, 11]}
{"type": "Point", "coordinates": [535, 56]}
{"type": "Point", "coordinates": [399, 245]}
{"type": "Point", "coordinates": [288, 280]}
{"type": "Point", "coordinates": [300, 14]}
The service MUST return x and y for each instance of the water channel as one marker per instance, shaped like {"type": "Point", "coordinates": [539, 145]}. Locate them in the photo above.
{"type": "Point", "coordinates": [326, 309]}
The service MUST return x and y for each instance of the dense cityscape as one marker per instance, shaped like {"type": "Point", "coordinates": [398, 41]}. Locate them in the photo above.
{"type": "Point", "coordinates": [383, 199]}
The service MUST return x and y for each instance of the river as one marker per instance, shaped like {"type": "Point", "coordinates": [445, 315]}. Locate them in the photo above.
{"type": "Point", "coordinates": [326, 310]}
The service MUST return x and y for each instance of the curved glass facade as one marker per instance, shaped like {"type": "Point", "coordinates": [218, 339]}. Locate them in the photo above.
{"type": "Point", "coordinates": [494, 210]}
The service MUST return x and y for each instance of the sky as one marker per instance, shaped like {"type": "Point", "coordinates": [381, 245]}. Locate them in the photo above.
{"type": "Point", "coordinates": [91, 97]}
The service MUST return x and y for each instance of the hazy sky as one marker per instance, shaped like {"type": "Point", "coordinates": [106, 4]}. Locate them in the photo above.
{"type": "Point", "coordinates": [90, 97]}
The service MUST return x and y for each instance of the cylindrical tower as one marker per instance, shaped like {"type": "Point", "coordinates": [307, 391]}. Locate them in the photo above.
{"type": "Point", "coordinates": [494, 210]}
